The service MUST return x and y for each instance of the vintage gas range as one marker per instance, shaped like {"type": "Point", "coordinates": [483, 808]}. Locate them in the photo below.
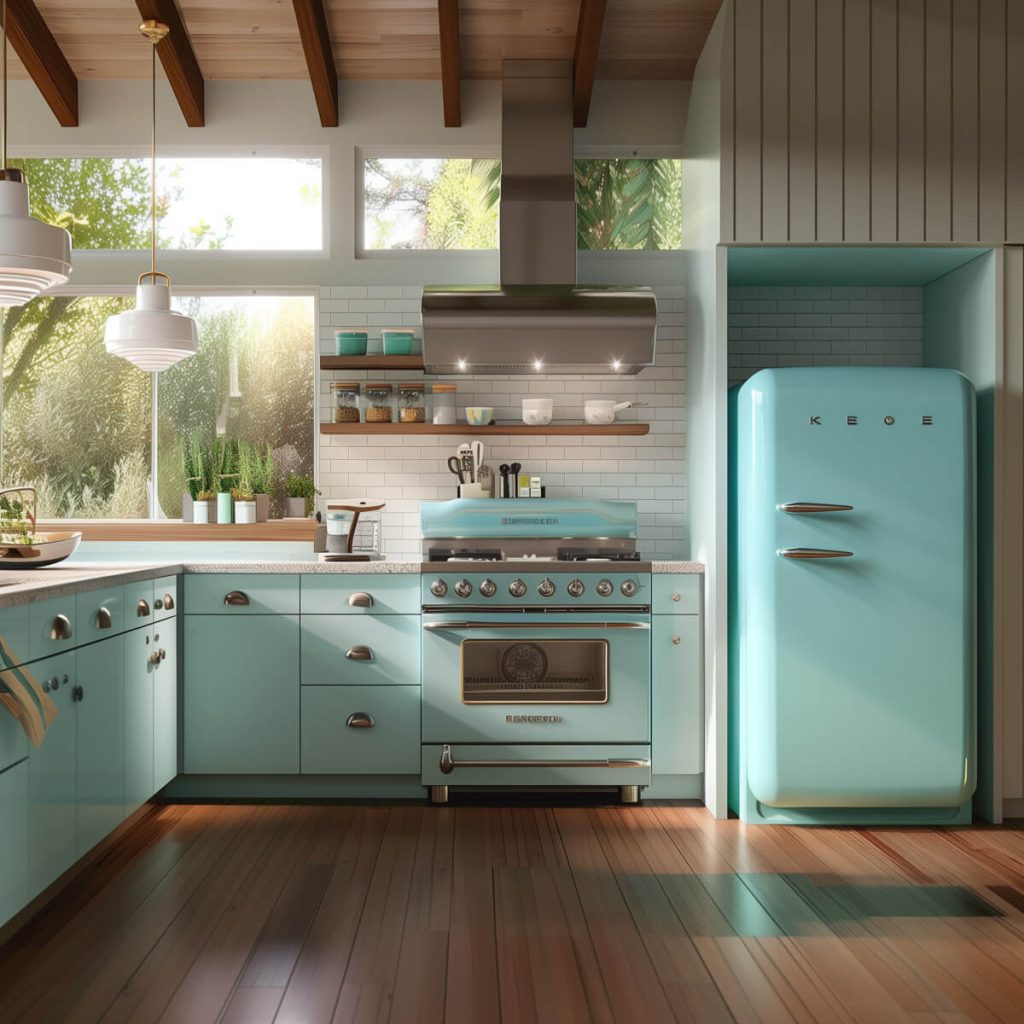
{"type": "Point", "coordinates": [536, 646]}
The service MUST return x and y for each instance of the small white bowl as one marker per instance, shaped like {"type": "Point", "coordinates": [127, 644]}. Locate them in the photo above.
{"type": "Point", "coordinates": [537, 412]}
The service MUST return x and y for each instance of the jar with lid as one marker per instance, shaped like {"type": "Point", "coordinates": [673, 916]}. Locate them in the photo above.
{"type": "Point", "coordinates": [444, 403]}
{"type": "Point", "coordinates": [345, 396]}
{"type": "Point", "coordinates": [412, 402]}
{"type": "Point", "coordinates": [379, 403]}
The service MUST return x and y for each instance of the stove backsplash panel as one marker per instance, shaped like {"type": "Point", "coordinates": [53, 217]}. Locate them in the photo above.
{"type": "Point", "coordinates": [405, 470]}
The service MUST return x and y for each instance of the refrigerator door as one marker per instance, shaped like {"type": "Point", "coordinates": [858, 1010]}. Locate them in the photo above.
{"type": "Point", "coordinates": [857, 648]}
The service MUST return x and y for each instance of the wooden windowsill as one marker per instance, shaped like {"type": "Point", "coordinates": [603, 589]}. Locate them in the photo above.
{"type": "Point", "coordinates": [176, 530]}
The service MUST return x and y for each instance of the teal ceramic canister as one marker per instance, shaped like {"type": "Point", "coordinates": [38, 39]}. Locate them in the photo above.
{"type": "Point", "coordinates": [224, 507]}
{"type": "Point", "coordinates": [350, 343]}
{"type": "Point", "coordinates": [396, 342]}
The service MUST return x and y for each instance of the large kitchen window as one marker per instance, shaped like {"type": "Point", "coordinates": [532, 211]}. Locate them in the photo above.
{"type": "Point", "coordinates": [211, 203]}
{"type": "Point", "coordinates": [77, 421]}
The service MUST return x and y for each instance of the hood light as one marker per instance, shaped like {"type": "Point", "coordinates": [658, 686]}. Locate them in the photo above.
{"type": "Point", "coordinates": [538, 364]}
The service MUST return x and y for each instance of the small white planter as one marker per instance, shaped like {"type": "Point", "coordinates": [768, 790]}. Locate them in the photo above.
{"type": "Point", "coordinates": [201, 511]}
{"type": "Point", "coordinates": [295, 508]}
{"type": "Point", "coordinates": [245, 511]}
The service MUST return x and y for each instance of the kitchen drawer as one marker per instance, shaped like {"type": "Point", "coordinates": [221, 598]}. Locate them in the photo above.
{"type": "Point", "coordinates": [331, 645]}
{"type": "Point", "coordinates": [252, 593]}
{"type": "Point", "coordinates": [13, 742]}
{"type": "Point", "coordinates": [165, 597]}
{"type": "Point", "coordinates": [678, 594]}
{"type": "Point", "coordinates": [52, 626]}
{"type": "Point", "coordinates": [138, 604]}
{"type": "Point", "coordinates": [13, 840]}
{"type": "Point", "coordinates": [101, 614]}
{"type": "Point", "coordinates": [342, 594]}
{"type": "Point", "coordinates": [14, 633]}
{"type": "Point", "coordinates": [677, 722]}
{"type": "Point", "coordinates": [391, 746]}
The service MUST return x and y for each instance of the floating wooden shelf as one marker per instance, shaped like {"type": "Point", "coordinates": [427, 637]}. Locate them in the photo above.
{"type": "Point", "coordinates": [377, 362]}
{"type": "Point", "coordinates": [175, 529]}
{"type": "Point", "coordinates": [464, 429]}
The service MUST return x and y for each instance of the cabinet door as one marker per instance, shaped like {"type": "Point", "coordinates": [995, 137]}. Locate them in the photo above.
{"type": "Point", "coordinates": [138, 719]}
{"type": "Point", "coordinates": [99, 715]}
{"type": "Point", "coordinates": [100, 614]}
{"type": "Point", "coordinates": [51, 775]}
{"type": "Point", "coordinates": [165, 704]}
{"type": "Point", "coordinates": [53, 626]}
{"type": "Point", "coordinates": [13, 840]}
{"type": "Point", "coordinates": [345, 649]}
{"type": "Point", "coordinates": [242, 694]}
{"type": "Point", "coordinates": [677, 727]}
{"type": "Point", "coordinates": [138, 609]}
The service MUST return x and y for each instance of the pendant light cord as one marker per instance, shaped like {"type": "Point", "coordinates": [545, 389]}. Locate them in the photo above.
{"type": "Point", "coordinates": [152, 164]}
{"type": "Point", "coordinates": [3, 139]}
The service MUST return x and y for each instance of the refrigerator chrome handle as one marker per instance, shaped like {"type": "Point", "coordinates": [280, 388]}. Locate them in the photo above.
{"type": "Point", "coordinates": [799, 553]}
{"type": "Point", "coordinates": [808, 507]}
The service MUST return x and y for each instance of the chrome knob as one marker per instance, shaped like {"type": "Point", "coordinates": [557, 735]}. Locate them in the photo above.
{"type": "Point", "coordinates": [629, 588]}
{"type": "Point", "coordinates": [575, 588]}
{"type": "Point", "coordinates": [463, 588]}
{"type": "Point", "coordinates": [517, 588]}
{"type": "Point", "coordinates": [545, 588]}
{"type": "Point", "coordinates": [488, 588]}
{"type": "Point", "coordinates": [604, 588]}
{"type": "Point", "coordinates": [439, 588]}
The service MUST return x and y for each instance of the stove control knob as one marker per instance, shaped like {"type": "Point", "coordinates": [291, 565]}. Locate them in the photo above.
{"type": "Point", "coordinates": [517, 588]}
{"type": "Point", "coordinates": [463, 588]}
{"type": "Point", "coordinates": [576, 588]}
{"type": "Point", "coordinates": [545, 588]}
{"type": "Point", "coordinates": [629, 588]}
{"type": "Point", "coordinates": [439, 588]}
{"type": "Point", "coordinates": [604, 587]}
{"type": "Point", "coordinates": [488, 588]}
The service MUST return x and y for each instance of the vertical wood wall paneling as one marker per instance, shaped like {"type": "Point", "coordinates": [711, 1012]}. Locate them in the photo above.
{"type": "Point", "coordinates": [1014, 121]}
{"type": "Point", "coordinates": [965, 120]}
{"type": "Point", "coordinates": [803, 185]}
{"type": "Point", "coordinates": [829, 41]}
{"type": "Point", "coordinates": [857, 122]}
{"type": "Point", "coordinates": [938, 103]}
{"type": "Point", "coordinates": [992, 120]}
{"type": "Point", "coordinates": [910, 81]}
{"type": "Point", "coordinates": [727, 166]}
{"type": "Point", "coordinates": [775, 121]}
{"type": "Point", "coordinates": [884, 120]}
{"type": "Point", "coordinates": [748, 153]}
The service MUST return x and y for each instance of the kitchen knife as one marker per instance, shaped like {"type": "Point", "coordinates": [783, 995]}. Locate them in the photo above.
{"type": "Point", "coordinates": [478, 458]}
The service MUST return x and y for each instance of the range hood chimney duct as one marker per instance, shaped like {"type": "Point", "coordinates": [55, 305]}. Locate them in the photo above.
{"type": "Point", "coordinates": [537, 319]}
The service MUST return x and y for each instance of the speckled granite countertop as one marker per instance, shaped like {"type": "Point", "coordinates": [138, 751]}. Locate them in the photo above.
{"type": "Point", "coordinates": [696, 568]}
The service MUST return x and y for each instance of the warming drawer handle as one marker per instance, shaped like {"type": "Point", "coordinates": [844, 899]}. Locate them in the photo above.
{"type": "Point", "coordinates": [532, 626]}
{"type": "Point", "coordinates": [360, 720]}
{"type": "Point", "coordinates": [359, 653]}
{"type": "Point", "coordinates": [810, 507]}
{"type": "Point", "coordinates": [238, 598]}
{"type": "Point", "coordinates": [810, 553]}
{"type": "Point", "coordinates": [448, 763]}
{"type": "Point", "coordinates": [360, 600]}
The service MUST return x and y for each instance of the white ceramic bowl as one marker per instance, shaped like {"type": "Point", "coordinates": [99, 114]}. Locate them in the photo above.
{"type": "Point", "coordinates": [537, 412]}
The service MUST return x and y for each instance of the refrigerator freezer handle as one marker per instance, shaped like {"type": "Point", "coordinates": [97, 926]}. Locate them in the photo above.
{"type": "Point", "coordinates": [799, 553]}
{"type": "Point", "coordinates": [808, 507]}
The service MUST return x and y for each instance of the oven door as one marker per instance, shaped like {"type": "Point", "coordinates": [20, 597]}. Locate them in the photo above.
{"type": "Point", "coordinates": [536, 678]}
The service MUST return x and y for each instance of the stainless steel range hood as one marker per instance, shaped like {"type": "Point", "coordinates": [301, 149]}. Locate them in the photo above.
{"type": "Point", "coordinates": [537, 319]}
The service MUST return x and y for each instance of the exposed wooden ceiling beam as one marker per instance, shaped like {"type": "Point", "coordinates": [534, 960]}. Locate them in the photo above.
{"type": "Point", "coordinates": [588, 43]}
{"type": "Point", "coordinates": [179, 60]}
{"type": "Point", "coordinates": [451, 74]}
{"type": "Point", "coordinates": [34, 44]}
{"type": "Point", "coordinates": [316, 44]}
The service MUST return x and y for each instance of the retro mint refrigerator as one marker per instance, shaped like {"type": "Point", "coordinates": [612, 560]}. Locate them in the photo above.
{"type": "Point", "coordinates": [852, 594]}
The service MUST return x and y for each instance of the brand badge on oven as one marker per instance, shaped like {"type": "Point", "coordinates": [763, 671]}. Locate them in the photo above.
{"type": "Point", "coordinates": [532, 719]}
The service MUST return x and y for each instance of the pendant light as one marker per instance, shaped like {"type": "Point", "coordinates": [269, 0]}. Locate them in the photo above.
{"type": "Point", "coordinates": [33, 256]}
{"type": "Point", "coordinates": [152, 336]}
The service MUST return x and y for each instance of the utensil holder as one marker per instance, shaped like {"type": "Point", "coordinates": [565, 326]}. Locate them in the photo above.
{"type": "Point", "coordinates": [474, 491]}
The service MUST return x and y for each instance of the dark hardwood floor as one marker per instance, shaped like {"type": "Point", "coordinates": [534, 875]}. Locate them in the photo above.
{"type": "Point", "coordinates": [335, 913]}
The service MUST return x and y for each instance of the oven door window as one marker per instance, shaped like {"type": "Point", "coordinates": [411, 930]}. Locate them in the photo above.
{"type": "Point", "coordinates": [534, 672]}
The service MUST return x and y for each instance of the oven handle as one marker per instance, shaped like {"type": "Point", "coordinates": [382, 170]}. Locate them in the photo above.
{"type": "Point", "coordinates": [460, 626]}
{"type": "Point", "coordinates": [448, 763]}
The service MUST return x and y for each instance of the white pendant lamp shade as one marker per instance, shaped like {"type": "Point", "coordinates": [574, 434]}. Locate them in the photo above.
{"type": "Point", "coordinates": [33, 256]}
{"type": "Point", "coordinates": [152, 336]}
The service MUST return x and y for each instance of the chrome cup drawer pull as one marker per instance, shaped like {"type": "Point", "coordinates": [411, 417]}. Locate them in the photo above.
{"type": "Point", "coordinates": [360, 720]}
{"type": "Point", "coordinates": [448, 764]}
{"type": "Point", "coordinates": [237, 598]}
{"type": "Point", "coordinates": [810, 553]}
{"type": "Point", "coordinates": [104, 620]}
{"type": "Point", "coordinates": [360, 600]}
{"type": "Point", "coordinates": [168, 602]}
{"type": "Point", "coordinates": [142, 608]}
{"type": "Point", "coordinates": [359, 653]}
{"type": "Point", "coordinates": [60, 628]}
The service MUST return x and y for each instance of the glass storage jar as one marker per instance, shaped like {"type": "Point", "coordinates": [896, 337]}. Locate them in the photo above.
{"type": "Point", "coordinates": [443, 396]}
{"type": "Point", "coordinates": [412, 402]}
{"type": "Point", "coordinates": [379, 402]}
{"type": "Point", "coordinates": [346, 401]}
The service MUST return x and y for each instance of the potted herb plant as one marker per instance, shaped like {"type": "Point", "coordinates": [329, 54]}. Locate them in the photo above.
{"type": "Point", "coordinates": [264, 475]}
{"type": "Point", "coordinates": [195, 466]}
{"type": "Point", "coordinates": [300, 491]}
{"type": "Point", "coordinates": [225, 466]}
{"type": "Point", "coordinates": [246, 463]}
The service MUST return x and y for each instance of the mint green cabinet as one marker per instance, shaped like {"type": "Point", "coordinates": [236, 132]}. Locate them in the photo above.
{"type": "Point", "coordinates": [138, 719]}
{"type": "Point", "coordinates": [165, 597]}
{"type": "Point", "coordinates": [14, 632]}
{"type": "Point", "coordinates": [100, 748]}
{"type": "Point", "coordinates": [52, 811]}
{"type": "Point", "coordinates": [138, 604]}
{"type": "Point", "coordinates": [13, 744]}
{"type": "Point", "coordinates": [360, 594]}
{"type": "Point", "coordinates": [677, 593]}
{"type": "Point", "coordinates": [241, 694]}
{"type": "Point", "coordinates": [677, 726]}
{"type": "Point", "coordinates": [14, 842]}
{"type": "Point", "coordinates": [101, 614]}
{"type": "Point", "coordinates": [344, 650]}
{"type": "Point", "coordinates": [361, 730]}
{"type": "Point", "coordinates": [241, 594]}
{"type": "Point", "coordinates": [52, 626]}
{"type": "Point", "coordinates": [165, 703]}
